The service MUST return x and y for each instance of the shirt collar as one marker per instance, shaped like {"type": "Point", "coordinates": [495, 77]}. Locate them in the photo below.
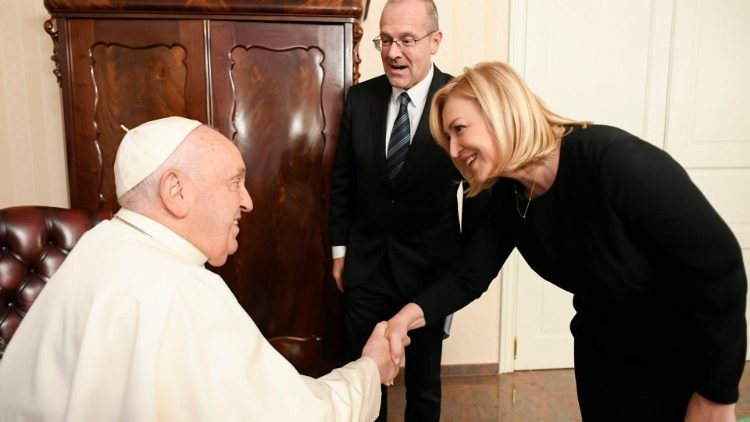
{"type": "Point", "coordinates": [160, 233]}
{"type": "Point", "coordinates": [417, 93]}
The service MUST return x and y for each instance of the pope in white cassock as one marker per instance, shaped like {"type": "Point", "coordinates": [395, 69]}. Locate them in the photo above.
{"type": "Point", "coordinates": [132, 327]}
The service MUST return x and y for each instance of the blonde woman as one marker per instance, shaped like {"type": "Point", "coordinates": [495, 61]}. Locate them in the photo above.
{"type": "Point", "coordinates": [658, 280]}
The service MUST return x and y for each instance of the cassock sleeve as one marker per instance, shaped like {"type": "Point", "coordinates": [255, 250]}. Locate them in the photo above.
{"type": "Point", "coordinates": [214, 364]}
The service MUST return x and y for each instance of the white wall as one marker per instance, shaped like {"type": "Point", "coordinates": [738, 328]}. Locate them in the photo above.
{"type": "Point", "coordinates": [32, 149]}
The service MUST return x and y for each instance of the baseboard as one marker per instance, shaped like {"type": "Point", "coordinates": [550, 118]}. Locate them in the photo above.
{"type": "Point", "coordinates": [469, 370]}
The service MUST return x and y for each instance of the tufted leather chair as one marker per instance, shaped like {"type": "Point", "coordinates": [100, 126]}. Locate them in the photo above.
{"type": "Point", "coordinates": [34, 241]}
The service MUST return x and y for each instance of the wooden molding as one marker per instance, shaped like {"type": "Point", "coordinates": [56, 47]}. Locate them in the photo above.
{"type": "Point", "coordinates": [50, 27]}
{"type": "Point", "coordinates": [339, 8]}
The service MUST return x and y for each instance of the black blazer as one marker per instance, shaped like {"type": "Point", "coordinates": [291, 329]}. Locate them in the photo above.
{"type": "Point", "coordinates": [414, 218]}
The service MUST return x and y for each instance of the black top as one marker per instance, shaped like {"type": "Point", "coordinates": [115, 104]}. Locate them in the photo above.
{"type": "Point", "coordinates": [622, 227]}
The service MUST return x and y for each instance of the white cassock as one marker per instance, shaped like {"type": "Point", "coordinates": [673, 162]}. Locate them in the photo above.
{"type": "Point", "coordinates": [132, 327]}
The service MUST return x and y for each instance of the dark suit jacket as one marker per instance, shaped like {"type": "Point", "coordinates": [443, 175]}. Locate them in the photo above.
{"type": "Point", "coordinates": [414, 218]}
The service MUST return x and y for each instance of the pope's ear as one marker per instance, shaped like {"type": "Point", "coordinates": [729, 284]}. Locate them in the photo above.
{"type": "Point", "coordinates": [171, 194]}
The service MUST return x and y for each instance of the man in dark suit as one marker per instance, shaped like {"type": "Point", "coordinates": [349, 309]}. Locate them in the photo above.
{"type": "Point", "coordinates": [394, 218]}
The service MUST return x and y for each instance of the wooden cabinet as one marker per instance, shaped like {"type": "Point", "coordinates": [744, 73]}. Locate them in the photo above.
{"type": "Point", "coordinates": [271, 76]}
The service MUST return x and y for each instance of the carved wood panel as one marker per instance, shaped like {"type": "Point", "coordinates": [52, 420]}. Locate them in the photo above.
{"type": "Point", "coordinates": [278, 93]}
{"type": "Point", "coordinates": [279, 125]}
{"type": "Point", "coordinates": [125, 73]}
{"type": "Point", "coordinates": [132, 84]}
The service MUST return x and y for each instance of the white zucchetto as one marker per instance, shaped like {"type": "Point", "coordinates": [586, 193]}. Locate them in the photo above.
{"type": "Point", "coordinates": [146, 147]}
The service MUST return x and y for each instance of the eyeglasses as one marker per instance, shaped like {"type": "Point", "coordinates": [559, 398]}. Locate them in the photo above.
{"type": "Point", "coordinates": [408, 42]}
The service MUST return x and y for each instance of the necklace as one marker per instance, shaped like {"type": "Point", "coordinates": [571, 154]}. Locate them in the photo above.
{"type": "Point", "coordinates": [131, 225]}
{"type": "Point", "coordinates": [518, 208]}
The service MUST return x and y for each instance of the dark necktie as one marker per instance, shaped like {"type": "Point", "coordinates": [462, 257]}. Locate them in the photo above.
{"type": "Point", "coordinates": [398, 144]}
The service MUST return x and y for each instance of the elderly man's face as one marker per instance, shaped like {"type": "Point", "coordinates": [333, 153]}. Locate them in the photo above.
{"type": "Point", "coordinates": [221, 197]}
{"type": "Point", "coordinates": [407, 66]}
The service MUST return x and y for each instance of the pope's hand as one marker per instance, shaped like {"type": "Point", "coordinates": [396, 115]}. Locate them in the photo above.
{"type": "Point", "coordinates": [377, 348]}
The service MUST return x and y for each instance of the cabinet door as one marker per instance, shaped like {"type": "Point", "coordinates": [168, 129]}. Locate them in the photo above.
{"type": "Point", "coordinates": [278, 93]}
{"type": "Point", "coordinates": [123, 72]}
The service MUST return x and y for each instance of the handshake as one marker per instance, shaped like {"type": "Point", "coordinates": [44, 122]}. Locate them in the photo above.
{"type": "Point", "coordinates": [388, 340]}
{"type": "Point", "coordinates": [386, 351]}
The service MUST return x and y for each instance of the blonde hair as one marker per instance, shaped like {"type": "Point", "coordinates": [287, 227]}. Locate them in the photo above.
{"type": "Point", "coordinates": [522, 125]}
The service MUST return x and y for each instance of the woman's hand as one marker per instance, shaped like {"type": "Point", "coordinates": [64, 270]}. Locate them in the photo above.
{"type": "Point", "coordinates": [408, 318]}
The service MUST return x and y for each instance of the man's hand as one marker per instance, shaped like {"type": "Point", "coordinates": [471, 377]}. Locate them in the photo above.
{"type": "Point", "coordinates": [408, 318]}
{"type": "Point", "coordinates": [377, 349]}
{"type": "Point", "coordinates": [338, 271]}
{"type": "Point", "coordinates": [701, 409]}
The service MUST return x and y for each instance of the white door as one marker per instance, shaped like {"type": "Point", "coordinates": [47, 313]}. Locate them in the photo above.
{"type": "Point", "coordinates": [709, 105]}
{"type": "Point", "coordinates": [543, 339]}
{"type": "Point", "coordinates": [677, 74]}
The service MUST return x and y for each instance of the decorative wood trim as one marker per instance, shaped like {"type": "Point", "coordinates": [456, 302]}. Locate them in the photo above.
{"type": "Point", "coordinates": [101, 108]}
{"type": "Point", "coordinates": [340, 8]}
{"type": "Point", "coordinates": [358, 33]}
{"type": "Point", "coordinates": [50, 27]}
{"type": "Point", "coordinates": [208, 69]}
{"type": "Point", "coordinates": [235, 94]}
